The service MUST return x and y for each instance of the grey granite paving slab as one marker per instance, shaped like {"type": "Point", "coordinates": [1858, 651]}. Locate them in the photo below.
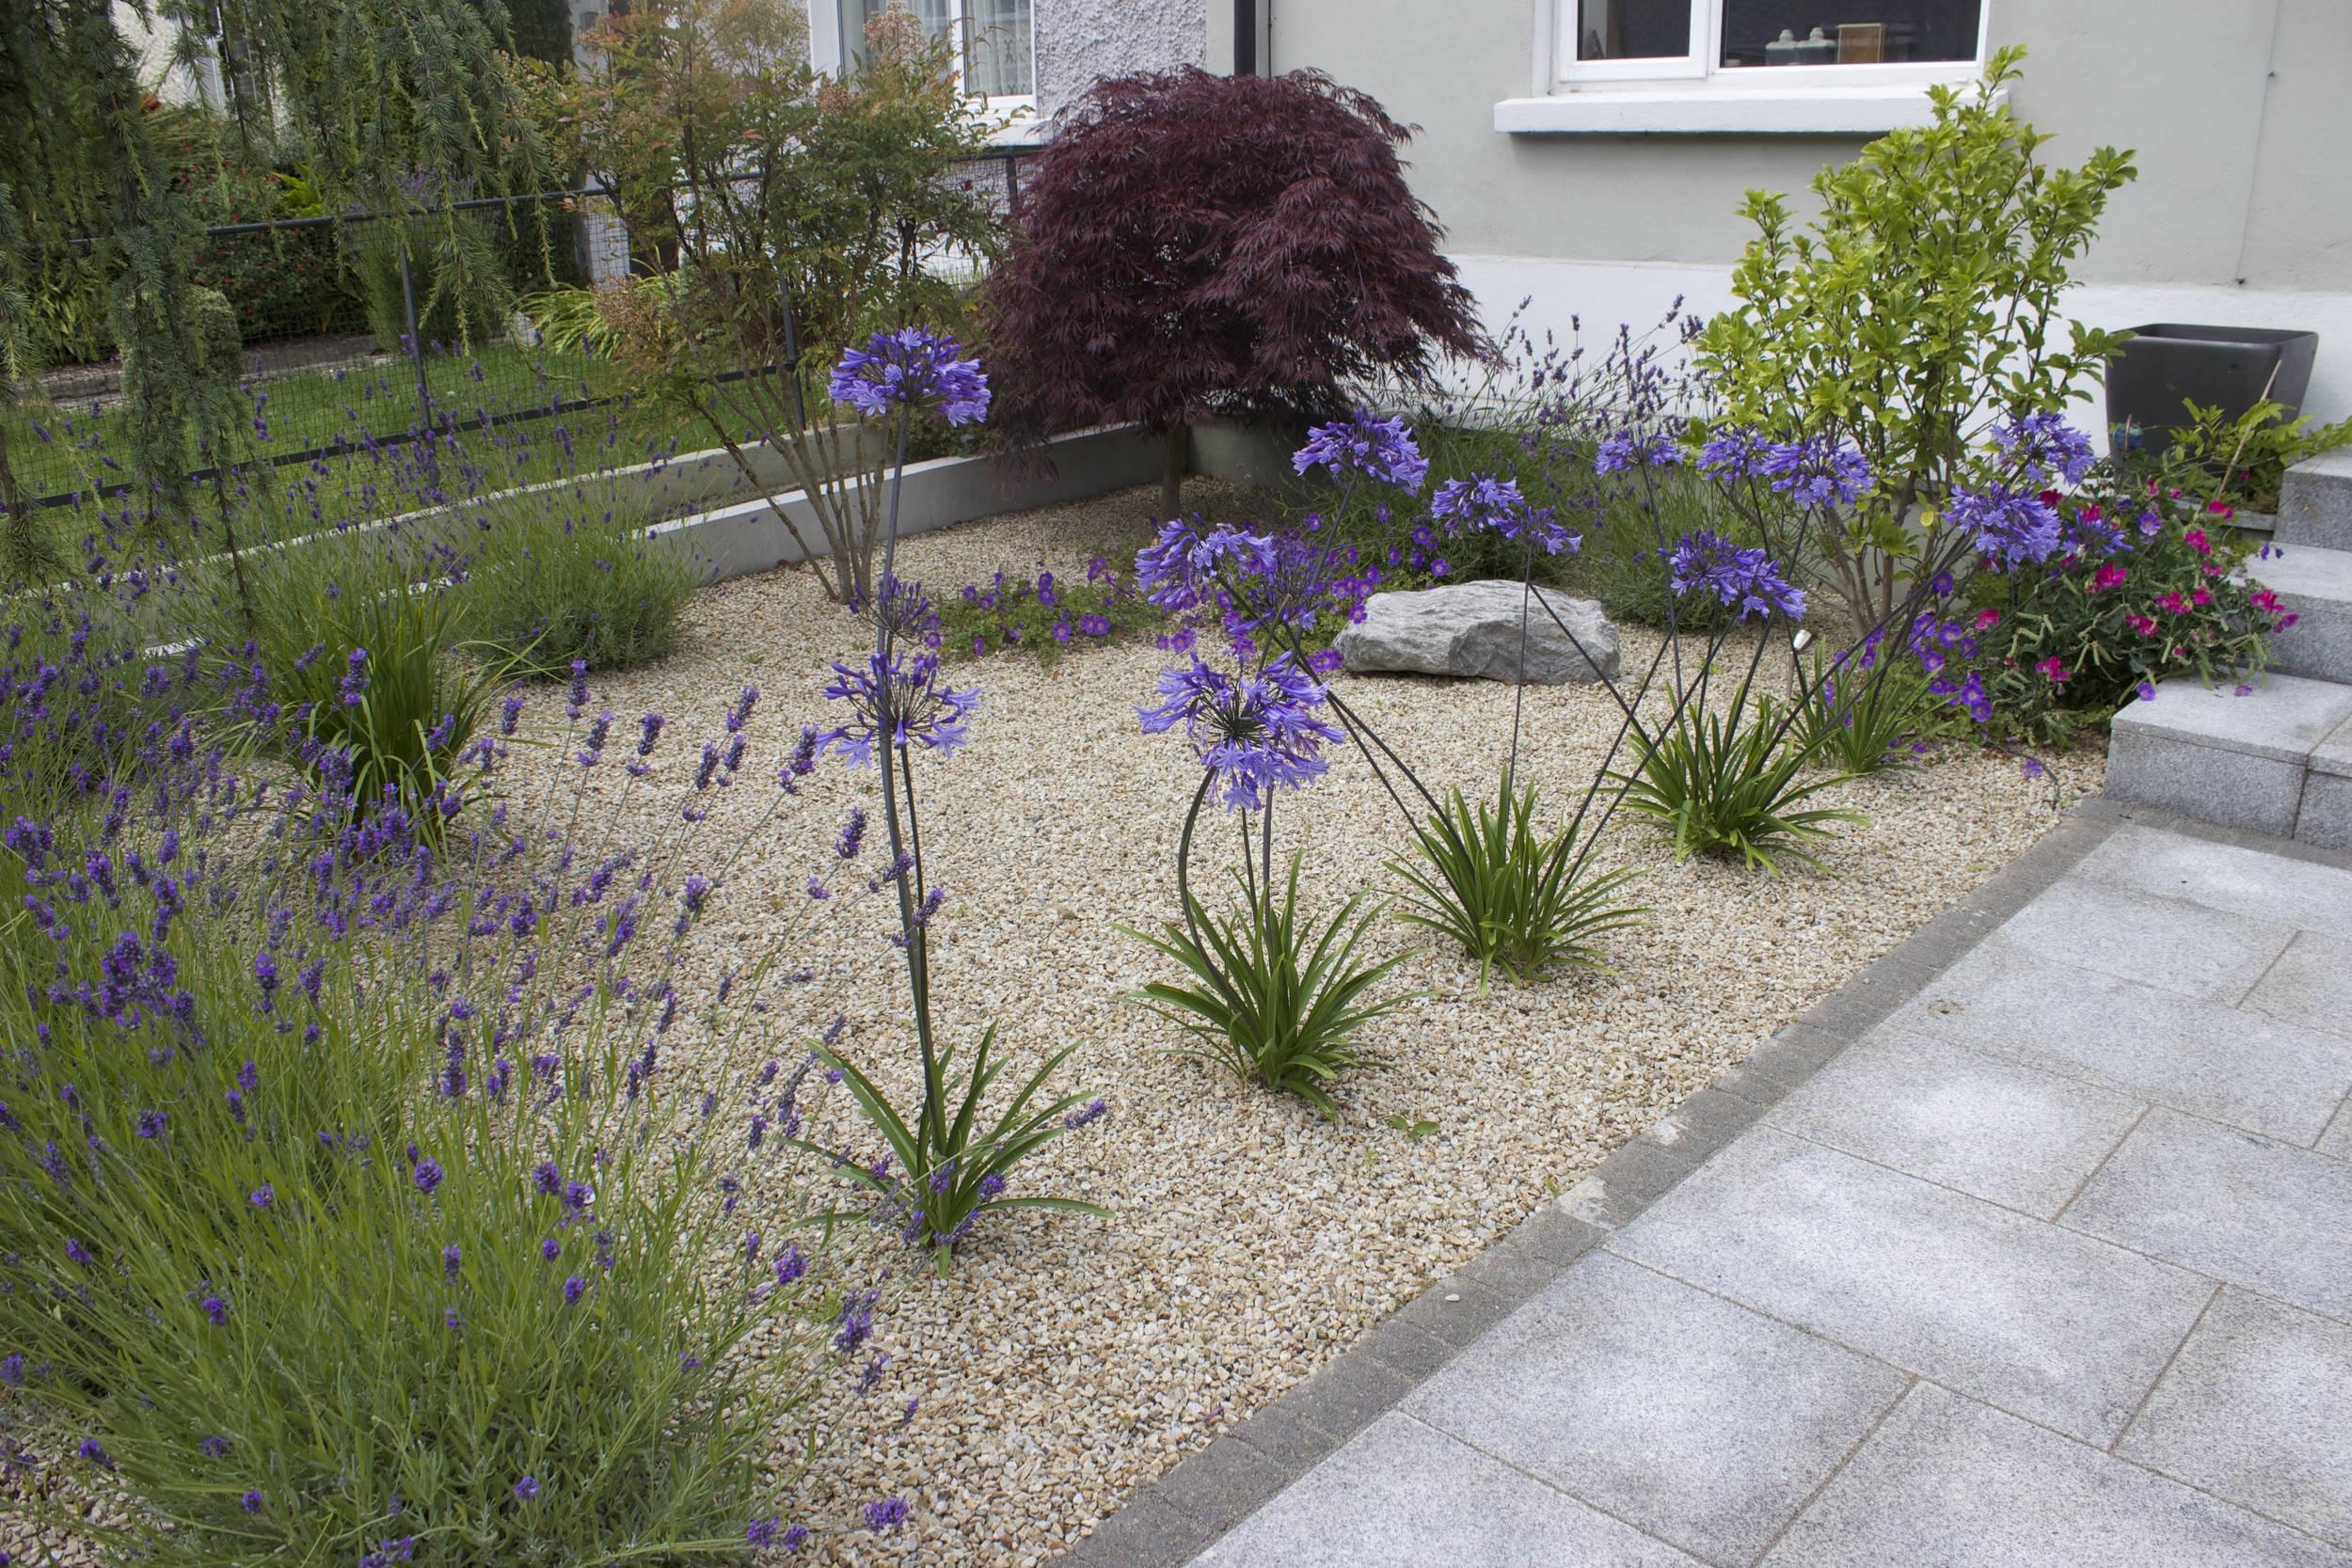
{"type": "Point", "coordinates": [1949, 1483]}
{"type": "Point", "coordinates": [1960, 1118]}
{"type": "Point", "coordinates": [2311, 985]}
{"type": "Point", "coordinates": [2223, 876]}
{"type": "Point", "coordinates": [2219, 1062]}
{"type": "Point", "coordinates": [1701, 1421]}
{"type": "Point", "coordinates": [2338, 1140]}
{"type": "Point", "coordinates": [2057, 1326]}
{"type": "Point", "coordinates": [2258, 1408]}
{"type": "Point", "coordinates": [2170, 943]}
{"type": "Point", "coordinates": [1402, 1493]}
{"type": "Point", "coordinates": [2253, 1212]}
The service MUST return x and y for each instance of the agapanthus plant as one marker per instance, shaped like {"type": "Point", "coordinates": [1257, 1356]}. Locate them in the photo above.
{"type": "Point", "coordinates": [950, 1168]}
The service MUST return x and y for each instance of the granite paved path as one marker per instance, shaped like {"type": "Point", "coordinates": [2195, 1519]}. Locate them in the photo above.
{"type": "Point", "coordinates": [2034, 1248]}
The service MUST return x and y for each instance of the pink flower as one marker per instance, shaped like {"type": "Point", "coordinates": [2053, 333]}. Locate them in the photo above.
{"type": "Point", "coordinates": [2108, 576]}
{"type": "Point", "coordinates": [2196, 540]}
{"type": "Point", "coordinates": [2141, 625]}
{"type": "Point", "coordinates": [2172, 602]}
{"type": "Point", "coordinates": [2201, 596]}
{"type": "Point", "coordinates": [2221, 508]}
{"type": "Point", "coordinates": [2053, 669]}
{"type": "Point", "coordinates": [1987, 618]}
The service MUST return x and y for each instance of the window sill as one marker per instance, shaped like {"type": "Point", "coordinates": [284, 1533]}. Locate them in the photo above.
{"type": "Point", "coordinates": [1715, 107]}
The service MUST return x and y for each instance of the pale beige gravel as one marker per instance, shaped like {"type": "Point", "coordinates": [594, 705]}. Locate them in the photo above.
{"type": "Point", "coordinates": [1068, 1360]}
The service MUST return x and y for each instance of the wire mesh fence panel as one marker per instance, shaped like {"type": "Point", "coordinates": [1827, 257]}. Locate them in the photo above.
{"type": "Point", "coordinates": [349, 331]}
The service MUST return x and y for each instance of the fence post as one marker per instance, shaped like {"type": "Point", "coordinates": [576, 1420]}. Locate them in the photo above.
{"type": "Point", "coordinates": [416, 344]}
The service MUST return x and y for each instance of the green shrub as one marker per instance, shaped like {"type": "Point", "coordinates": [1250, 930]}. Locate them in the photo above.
{"type": "Point", "coordinates": [336, 1228]}
{"type": "Point", "coordinates": [1623, 564]}
{"type": "Point", "coordinates": [457, 277]}
{"type": "Point", "coordinates": [566, 572]}
{"type": "Point", "coordinates": [1507, 896]}
{"type": "Point", "coordinates": [2147, 585]}
{"type": "Point", "coordinates": [1861, 713]}
{"type": "Point", "coordinates": [1725, 781]}
{"type": "Point", "coordinates": [1045, 617]}
{"type": "Point", "coordinates": [2243, 462]}
{"type": "Point", "coordinates": [1273, 999]}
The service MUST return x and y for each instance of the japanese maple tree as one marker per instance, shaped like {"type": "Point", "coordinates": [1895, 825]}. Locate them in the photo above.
{"type": "Point", "coordinates": [1193, 246]}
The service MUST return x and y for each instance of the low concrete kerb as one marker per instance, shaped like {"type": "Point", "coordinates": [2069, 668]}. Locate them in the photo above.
{"type": "Point", "coordinates": [1173, 1519]}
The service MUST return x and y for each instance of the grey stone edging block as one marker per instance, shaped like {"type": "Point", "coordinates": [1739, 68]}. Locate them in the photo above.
{"type": "Point", "coordinates": [1171, 1520]}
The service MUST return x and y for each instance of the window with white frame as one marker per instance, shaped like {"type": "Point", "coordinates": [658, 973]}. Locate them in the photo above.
{"type": "Point", "coordinates": [991, 39]}
{"type": "Point", "coordinates": [1755, 43]}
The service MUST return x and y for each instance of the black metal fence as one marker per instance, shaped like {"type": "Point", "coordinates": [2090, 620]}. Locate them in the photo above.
{"type": "Point", "coordinates": [362, 330]}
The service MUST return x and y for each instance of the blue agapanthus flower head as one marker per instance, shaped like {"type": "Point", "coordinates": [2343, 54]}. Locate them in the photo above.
{"type": "Point", "coordinates": [1373, 448]}
{"type": "Point", "coordinates": [1736, 453]}
{"type": "Point", "coordinates": [1255, 731]}
{"type": "Point", "coordinates": [1629, 449]}
{"type": "Point", "coordinates": [1746, 580]}
{"type": "Point", "coordinates": [1483, 502]}
{"type": "Point", "coordinates": [2045, 449]}
{"type": "Point", "coordinates": [1816, 472]}
{"type": "Point", "coordinates": [2013, 526]}
{"type": "Point", "coordinates": [1180, 570]}
{"type": "Point", "coordinates": [911, 365]}
{"type": "Point", "coordinates": [901, 701]}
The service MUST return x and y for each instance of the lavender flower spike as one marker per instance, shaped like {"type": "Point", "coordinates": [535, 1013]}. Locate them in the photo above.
{"type": "Point", "coordinates": [911, 365]}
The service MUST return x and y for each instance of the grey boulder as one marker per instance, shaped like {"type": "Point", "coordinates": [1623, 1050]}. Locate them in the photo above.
{"type": "Point", "coordinates": [1471, 629]}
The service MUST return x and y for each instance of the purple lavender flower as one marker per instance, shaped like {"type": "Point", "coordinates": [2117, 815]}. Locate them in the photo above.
{"type": "Point", "coordinates": [857, 1321]}
{"type": "Point", "coordinates": [550, 1249]}
{"type": "Point", "coordinates": [897, 701]}
{"type": "Point", "coordinates": [790, 1263]}
{"type": "Point", "coordinates": [1256, 733]}
{"type": "Point", "coordinates": [1375, 447]}
{"type": "Point", "coordinates": [252, 1502]}
{"type": "Point", "coordinates": [761, 1533]}
{"type": "Point", "coordinates": [888, 1513]}
{"type": "Point", "coordinates": [151, 1124]}
{"type": "Point", "coordinates": [526, 1489]}
{"type": "Point", "coordinates": [2016, 527]}
{"type": "Point", "coordinates": [214, 1308]}
{"type": "Point", "coordinates": [911, 365]}
{"type": "Point", "coordinates": [545, 1179]}
{"type": "Point", "coordinates": [428, 1176]}
{"type": "Point", "coordinates": [1745, 578]}
{"type": "Point", "coordinates": [263, 1196]}
{"type": "Point", "coordinates": [510, 714]}
{"type": "Point", "coordinates": [573, 1288]}
{"type": "Point", "coordinates": [352, 688]}
{"type": "Point", "coordinates": [1093, 1112]}
{"type": "Point", "coordinates": [450, 1317]}
{"type": "Point", "coordinates": [453, 1259]}
{"type": "Point", "coordinates": [78, 1253]}
{"type": "Point", "coordinates": [650, 731]}
{"type": "Point", "coordinates": [578, 702]}
{"type": "Point", "coordinates": [741, 713]}
{"type": "Point", "coordinates": [215, 1448]}
{"type": "Point", "coordinates": [2045, 449]}
{"type": "Point", "coordinates": [852, 837]}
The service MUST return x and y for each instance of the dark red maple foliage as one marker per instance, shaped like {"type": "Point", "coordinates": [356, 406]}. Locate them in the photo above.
{"type": "Point", "coordinates": [1192, 246]}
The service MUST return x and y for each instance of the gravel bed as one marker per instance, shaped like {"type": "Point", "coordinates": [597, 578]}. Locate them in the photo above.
{"type": "Point", "coordinates": [1068, 1360]}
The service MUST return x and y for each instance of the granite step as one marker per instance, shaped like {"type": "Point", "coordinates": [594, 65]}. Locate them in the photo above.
{"type": "Point", "coordinates": [2316, 584]}
{"type": "Point", "coordinates": [2244, 755]}
{"type": "Point", "coordinates": [2315, 501]}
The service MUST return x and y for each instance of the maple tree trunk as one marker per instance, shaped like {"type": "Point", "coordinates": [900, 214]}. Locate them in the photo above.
{"type": "Point", "coordinates": [1172, 472]}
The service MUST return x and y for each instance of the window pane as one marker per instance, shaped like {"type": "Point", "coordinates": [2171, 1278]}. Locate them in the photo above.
{"type": "Point", "coordinates": [856, 14]}
{"type": "Point", "coordinates": [997, 48]}
{"type": "Point", "coordinates": [1633, 29]}
{"type": "Point", "coordinates": [1865, 32]}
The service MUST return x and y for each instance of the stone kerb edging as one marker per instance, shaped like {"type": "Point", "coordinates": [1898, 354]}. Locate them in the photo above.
{"type": "Point", "coordinates": [1173, 1519]}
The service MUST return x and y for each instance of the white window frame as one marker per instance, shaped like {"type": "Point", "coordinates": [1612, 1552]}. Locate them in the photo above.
{"type": "Point", "coordinates": [829, 51]}
{"type": "Point", "coordinates": [1695, 93]}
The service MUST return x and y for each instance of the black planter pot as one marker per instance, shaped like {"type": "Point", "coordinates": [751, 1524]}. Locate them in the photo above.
{"type": "Point", "coordinates": [2167, 366]}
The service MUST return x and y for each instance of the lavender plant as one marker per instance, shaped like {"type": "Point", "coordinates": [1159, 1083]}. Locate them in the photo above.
{"type": "Point", "coordinates": [293, 1083]}
{"type": "Point", "coordinates": [951, 1163]}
